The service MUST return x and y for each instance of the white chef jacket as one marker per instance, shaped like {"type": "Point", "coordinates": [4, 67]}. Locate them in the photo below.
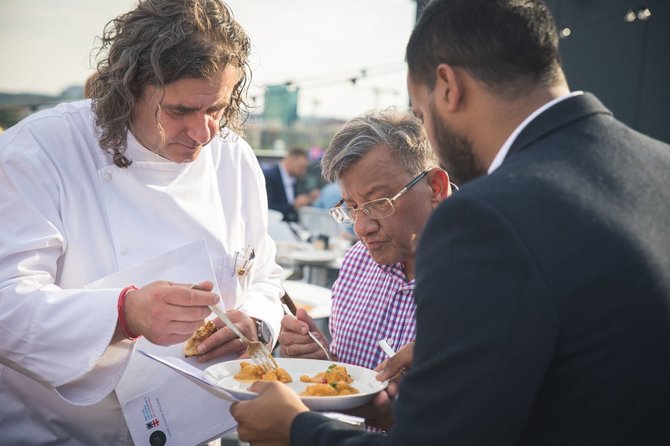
{"type": "Point", "coordinates": [69, 216]}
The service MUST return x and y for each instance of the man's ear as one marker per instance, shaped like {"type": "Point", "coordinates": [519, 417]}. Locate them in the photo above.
{"type": "Point", "coordinates": [438, 179]}
{"type": "Point", "coordinates": [448, 87]}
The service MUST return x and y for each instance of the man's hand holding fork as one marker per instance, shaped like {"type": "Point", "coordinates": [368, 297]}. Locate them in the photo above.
{"type": "Point", "coordinates": [296, 338]}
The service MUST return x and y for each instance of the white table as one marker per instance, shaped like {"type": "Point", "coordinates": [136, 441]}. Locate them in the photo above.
{"type": "Point", "coordinates": [316, 263]}
{"type": "Point", "coordinates": [315, 298]}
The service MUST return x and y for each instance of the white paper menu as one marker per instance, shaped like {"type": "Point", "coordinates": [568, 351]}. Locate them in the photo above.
{"type": "Point", "coordinates": [161, 405]}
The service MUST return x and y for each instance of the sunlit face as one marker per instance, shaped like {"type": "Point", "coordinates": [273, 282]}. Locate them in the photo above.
{"type": "Point", "coordinates": [453, 150]}
{"type": "Point", "coordinates": [297, 166]}
{"type": "Point", "coordinates": [188, 110]}
{"type": "Point", "coordinates": [378, 175]}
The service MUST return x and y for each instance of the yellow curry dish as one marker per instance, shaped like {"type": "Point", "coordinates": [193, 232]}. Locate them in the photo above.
{"type": "Point", "coordinates": [335, 381]}
{"type": "Point", "coordinates": [251, 372]}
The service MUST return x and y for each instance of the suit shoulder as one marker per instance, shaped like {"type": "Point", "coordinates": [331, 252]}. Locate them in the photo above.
{"type": "Point", "coordinates": [271, 170]}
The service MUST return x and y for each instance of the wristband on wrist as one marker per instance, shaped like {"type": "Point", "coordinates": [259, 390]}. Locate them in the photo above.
{"type": "Point", "coordinates": [122, 315]}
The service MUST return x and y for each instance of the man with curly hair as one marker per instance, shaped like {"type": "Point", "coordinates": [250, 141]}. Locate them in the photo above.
{"type": "Point", "coordinates": [150, 163]}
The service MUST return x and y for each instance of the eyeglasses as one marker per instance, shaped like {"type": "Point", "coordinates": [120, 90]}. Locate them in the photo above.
{"type": "Point", "coordinates": [375, 209]}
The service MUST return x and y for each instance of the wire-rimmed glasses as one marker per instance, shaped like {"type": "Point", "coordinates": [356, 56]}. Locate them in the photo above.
{"type": "Point", "coordinates": [375, 209]}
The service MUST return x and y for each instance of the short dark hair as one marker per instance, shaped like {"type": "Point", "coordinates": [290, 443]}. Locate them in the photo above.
{"type": "Point", "coordinates": [509, 45]}
{"type": "Point", "coordinates": [295, 152]}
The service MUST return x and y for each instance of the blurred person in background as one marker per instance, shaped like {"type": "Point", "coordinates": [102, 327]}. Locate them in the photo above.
{"type": "Point", "coordinates": [281, 181]}
{"type": "Point", "coordinates": [543, 285]}
{"type": "Point", "coordinates": [150, 164]}
{"type": "Point", "coordinates": [390, 182]}
{"type": "Point", "coordinates": [329, 195]}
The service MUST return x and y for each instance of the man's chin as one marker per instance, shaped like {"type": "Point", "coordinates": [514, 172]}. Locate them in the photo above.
{"type": "Point", "coordinates": [186, 155]}
{"type": "Point", "coordinates": [380, 256]}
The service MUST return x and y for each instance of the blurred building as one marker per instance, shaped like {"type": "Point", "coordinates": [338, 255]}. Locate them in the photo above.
{"type": "Point", "coordinates": [281, 104]}
{"type": "Point", "coordinates": [16, 106]}
{"type": "Point", "coordinates": [620, 51]}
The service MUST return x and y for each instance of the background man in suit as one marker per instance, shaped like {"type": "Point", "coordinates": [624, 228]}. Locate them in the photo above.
{"type": "Point", "coordinates": [543, 286]}
{"type": "Point", "coordinates": [281, 180]}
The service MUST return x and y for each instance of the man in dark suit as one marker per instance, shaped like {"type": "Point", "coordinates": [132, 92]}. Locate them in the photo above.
{"type": "Point", "coordinates": [281, 180]}
{"type": "Point", "coordinates": [543, 286]}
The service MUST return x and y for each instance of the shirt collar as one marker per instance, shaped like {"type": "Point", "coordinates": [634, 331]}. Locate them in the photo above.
{"type": "Point", "coordinates": [135, 151]}
{"type": "Point", "coordinates": [502, 153]}
{"type": "Point", "coordinates": [285, 177]}
{"type": "Point", "coordinates": [398, 272]}
{"type": "Point", "coordinates": [288, 182]}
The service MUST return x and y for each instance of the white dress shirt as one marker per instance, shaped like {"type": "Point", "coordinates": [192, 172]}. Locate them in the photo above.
{"type": "Point", "coordinates": [289, 182]}
{"type": "Point", "coordinates": [502, 153]}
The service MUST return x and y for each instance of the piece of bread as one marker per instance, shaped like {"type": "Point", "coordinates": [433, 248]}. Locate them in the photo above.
{"type": "Point", "coordinates": [202, 333]}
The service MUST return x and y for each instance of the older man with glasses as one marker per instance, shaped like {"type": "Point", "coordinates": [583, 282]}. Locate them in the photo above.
{"type": "Point", "coordinates": [390, 182]}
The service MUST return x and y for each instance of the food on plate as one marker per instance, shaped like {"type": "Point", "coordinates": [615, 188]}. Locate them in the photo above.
{"type": "Point", "coordinates": [306, 307]}
{"type": "Point", "coordinates": [202, 333]}
{"type": "Point", "coordinates": [251, 372]}
{"type": "Point", "coordinates": [334, 381]}
{"type": "Point", "coordinates": [332, 389]}
{"type": "Point", "coordinates": [333, 374]}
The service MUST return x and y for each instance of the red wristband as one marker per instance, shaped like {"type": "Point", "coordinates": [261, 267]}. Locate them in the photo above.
{"type": "Point", "coordinates": [122, 316]}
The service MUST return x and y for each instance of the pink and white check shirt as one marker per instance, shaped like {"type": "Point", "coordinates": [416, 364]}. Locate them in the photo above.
{"type": "Point", "coordinates": [370, 302]}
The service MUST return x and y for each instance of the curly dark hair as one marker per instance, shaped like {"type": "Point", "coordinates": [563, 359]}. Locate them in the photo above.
{"type": "Point", "coordinates": [160, 42]}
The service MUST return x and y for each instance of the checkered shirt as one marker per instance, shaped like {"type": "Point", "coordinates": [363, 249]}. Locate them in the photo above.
{"type": "Point", "coordinates": [370, 302]}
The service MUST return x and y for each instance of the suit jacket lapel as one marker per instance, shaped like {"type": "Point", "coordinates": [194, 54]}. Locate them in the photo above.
{"type": "Point", "coordinates": [560, 115]}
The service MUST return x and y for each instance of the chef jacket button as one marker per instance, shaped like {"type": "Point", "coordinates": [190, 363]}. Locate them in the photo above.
{"type": "Point", "coordinates": [108, 177]}
{"type": "Point", "coordinates": [124, 251]}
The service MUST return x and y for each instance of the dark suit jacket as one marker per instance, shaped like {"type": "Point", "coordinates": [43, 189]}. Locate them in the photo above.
{"type": "Point", "coordinates": [277, 193]}
{"type": "Point", "coordinates": [543, 297]}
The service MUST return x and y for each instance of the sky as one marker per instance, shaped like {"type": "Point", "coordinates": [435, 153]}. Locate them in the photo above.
{"type": "Point", "coordinates": [46, 46]}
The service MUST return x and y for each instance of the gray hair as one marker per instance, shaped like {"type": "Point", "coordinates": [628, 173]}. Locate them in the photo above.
{"type": "Point", "coordinates": [400, 132]}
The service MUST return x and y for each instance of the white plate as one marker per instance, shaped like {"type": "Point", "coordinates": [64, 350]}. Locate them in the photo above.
{"type": "Point", "coordinates": [364, 380]}
{"type": "Point", "coordinates": [313, 256]}
{"type": "Point", "coordinates": [315, 299]}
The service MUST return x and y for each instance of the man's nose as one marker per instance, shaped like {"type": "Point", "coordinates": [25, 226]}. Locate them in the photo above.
{"type": "Point", "coordinates": [201, 128]}
{"type": "Point", "coordinates": [364, 225]}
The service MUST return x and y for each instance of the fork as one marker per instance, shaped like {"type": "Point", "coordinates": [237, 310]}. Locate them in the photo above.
{"type": "Point", "coordinates": [390, 353]}
{"type": "Point", "coordinates": [384, 344]}
{"type": "Point", "coordinates": [256, 350]}
{"type": "Point", "coordinates": [287, 312]}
